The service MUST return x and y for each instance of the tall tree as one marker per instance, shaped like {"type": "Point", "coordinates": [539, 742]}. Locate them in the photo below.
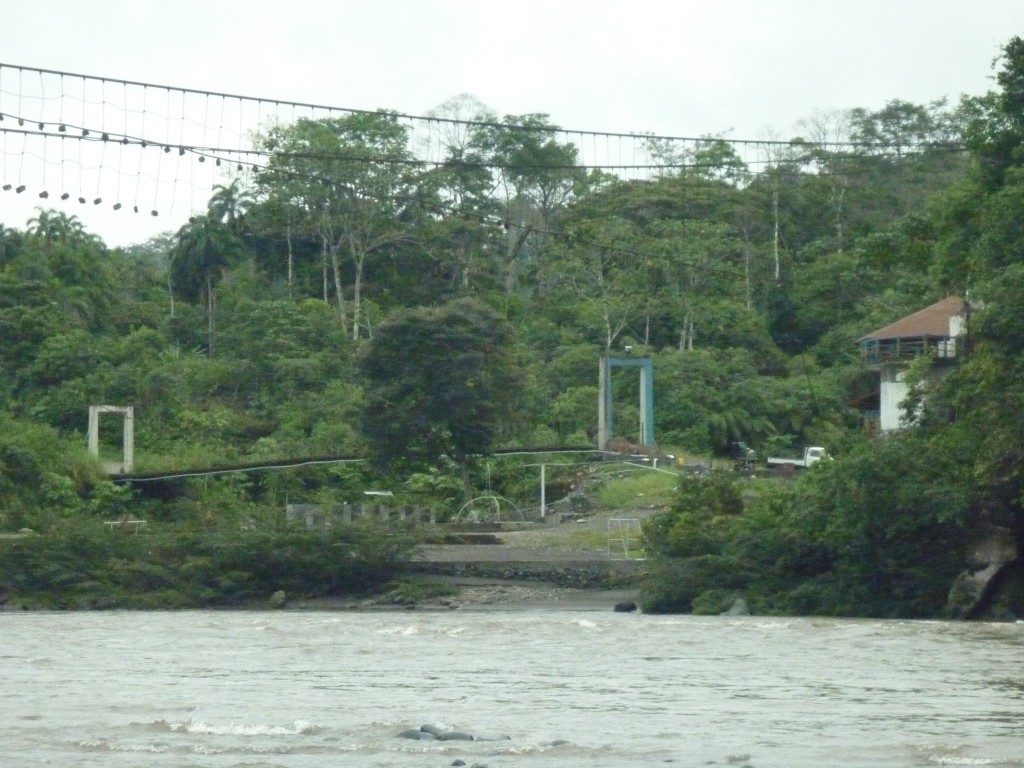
{"type": "Point", "coordinates": [357, 185]}
{"type": "Point", "coordinates": [10, 244]}
{"type": "Point", "coordinates": [439, 383]}
{"type": "Point", "coordinates": [203, 249]}
{"type": "Point", "coordinates": [599, 269]}
{"type": "Point", "coordinates": [52, 226]}
{"type": "Point", "coordinates": [229, 203]}
{"type": "Point", "coordinates": [667, 247]}
{"type": "Point", "coordinates": [535, 176]}
{"type": "Point", "coordinates": [471, 229]}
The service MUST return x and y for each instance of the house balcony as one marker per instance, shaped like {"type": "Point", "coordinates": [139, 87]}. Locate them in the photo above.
{"type": "Point", "coordinates": [903, 350]}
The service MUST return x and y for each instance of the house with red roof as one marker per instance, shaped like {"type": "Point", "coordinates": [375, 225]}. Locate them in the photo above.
{"type": "Point", "coordinates": [937, 331]}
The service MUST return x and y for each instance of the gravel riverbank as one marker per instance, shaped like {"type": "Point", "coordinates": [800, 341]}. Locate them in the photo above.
{"type": "Point", "coordinates": [479, 594]}
{"type": "Point", "coordinates": [494, 594]}
{"type": "Point", "coordinates": [567, 565]}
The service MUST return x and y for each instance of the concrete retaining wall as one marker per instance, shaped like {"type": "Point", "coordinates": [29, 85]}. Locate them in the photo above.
{"type": "Point", "coordinates": [315, 516]}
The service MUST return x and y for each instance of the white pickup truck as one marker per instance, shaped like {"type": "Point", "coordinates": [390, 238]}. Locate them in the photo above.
{"type": "Point", "coordinates": [812, 455]}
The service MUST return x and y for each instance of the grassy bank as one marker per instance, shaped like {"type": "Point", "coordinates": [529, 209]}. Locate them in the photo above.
{"type": "Point", "coordinates": [96, 567]}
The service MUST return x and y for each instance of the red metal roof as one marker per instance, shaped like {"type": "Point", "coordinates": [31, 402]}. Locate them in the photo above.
{"type": "Point", "coordinates": [931, 321]}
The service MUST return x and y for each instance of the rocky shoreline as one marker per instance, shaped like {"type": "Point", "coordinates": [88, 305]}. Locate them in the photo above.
{"type": "Point", "coordinates": [537, 596]}
{"type": "Point", "coordinates": [482, 594]}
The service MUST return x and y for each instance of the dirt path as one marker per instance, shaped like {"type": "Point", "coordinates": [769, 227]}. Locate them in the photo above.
{"type": "Point", "coordinates": [576, 542]}
{"type": "Point", "coordinates": [592, 537]}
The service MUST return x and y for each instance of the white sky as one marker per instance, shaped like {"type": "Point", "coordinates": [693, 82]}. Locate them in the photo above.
{"type": "Point", "coordinates": [743, 68]}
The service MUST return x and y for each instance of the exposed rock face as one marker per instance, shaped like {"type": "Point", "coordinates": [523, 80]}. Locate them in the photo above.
{"type": "Point", "coordinates": [739, 608]}
{"type": "Point", "coordinates": [974, 590]}
{"type": "Point", "coordinates": [964, 594]}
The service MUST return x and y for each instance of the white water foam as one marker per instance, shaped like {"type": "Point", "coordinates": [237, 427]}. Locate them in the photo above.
{"type": "Point", "coordinates": [298, 728]}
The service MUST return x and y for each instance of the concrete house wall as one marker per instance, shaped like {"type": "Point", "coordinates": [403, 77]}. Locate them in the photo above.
{"type": "Point", "coordinates": [936, 331]}
{"type": "Point", "coordinates": [892, 392]}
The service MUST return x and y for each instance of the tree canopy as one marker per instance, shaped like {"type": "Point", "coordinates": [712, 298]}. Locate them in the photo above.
{"type": "Point", "coordinates": [440, 383]}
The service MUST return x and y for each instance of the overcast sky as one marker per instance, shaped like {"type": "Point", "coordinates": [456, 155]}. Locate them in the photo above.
{"type": "Point", "coordinates": [742, 68]}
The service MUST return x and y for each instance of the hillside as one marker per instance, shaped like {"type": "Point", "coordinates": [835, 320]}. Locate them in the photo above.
{"type": "Point", "coordinates": [388, 326]}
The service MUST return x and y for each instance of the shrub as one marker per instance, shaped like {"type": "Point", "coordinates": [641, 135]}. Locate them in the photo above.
{"type": "Point", "coordinates": [168, 567]}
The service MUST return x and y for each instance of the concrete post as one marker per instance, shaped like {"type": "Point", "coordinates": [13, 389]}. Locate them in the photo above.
{"type": "Point", "coordinates": [127, 463]}
{"type": "Point", "coordinates": [543, 504]}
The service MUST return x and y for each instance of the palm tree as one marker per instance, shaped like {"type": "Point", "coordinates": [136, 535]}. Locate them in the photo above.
{"type": "Point", "coordinates": [228, 204]}
{"type": "Point", "coordinates": [10, 244]}
{"type": "Point", "coordinates": [203, 249]}
{"type": "Point", "coordinates": [54, 225]}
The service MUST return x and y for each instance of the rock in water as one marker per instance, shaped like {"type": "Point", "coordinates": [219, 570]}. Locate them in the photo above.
{"type": "Point", "coordinates": [739, 608]}
{"type": "Point", "coordinates": [626, 606]}
{"type": "Point", "coordinates": [442, 734]}
{"type": "Point", "coordinates": [455, 736]}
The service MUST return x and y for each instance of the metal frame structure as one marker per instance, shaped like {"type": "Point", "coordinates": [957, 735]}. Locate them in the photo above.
{"type": "Point", "coordinates": [605, 411]}
{"type": "Point", "coordinates": [625, 539]}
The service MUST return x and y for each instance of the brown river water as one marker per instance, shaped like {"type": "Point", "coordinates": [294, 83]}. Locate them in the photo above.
{"type": "Point", "coordinates": [556, 688]}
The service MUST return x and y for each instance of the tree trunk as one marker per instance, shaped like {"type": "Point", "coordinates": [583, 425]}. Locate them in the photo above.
{"type": "Point", "coordinates": [291, 257]}
{"type": "Point", "coordinates": [209, 314]}
{"type": "Point", "coordinates": [513, 246]}
{"type": "Point", "coordinates": [837, 201]}
{"type": "Point", "coordinates": [467, 484]}
{"type": "Point", "coordinates": [170, 290]}
{"type": "Point", "coordinates": [323, 269]}
{"type": "Point", "coordinates": [357, 255]}
{"type": "Point", "coordinates": [336, 274]}
{"type": "Point", "coordinates": [686, 334]}
{"type": "Point", "coordinates": [747, 287]}
{"type": "Point", "coordinates": [331, 248]}
{"type": "Point", "coordinates": [775, 230]}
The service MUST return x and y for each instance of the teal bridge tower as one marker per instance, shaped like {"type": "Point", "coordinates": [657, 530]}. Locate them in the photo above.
{"type": "Point", "coordinates": [605, 411]}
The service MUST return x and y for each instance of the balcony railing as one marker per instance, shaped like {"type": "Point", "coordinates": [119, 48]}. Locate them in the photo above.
{"type": "Point", "coordinates": [875, 351]}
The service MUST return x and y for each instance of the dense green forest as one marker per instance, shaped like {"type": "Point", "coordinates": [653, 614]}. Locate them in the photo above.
{"type": "Point", "coordinates": [345, 299]}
